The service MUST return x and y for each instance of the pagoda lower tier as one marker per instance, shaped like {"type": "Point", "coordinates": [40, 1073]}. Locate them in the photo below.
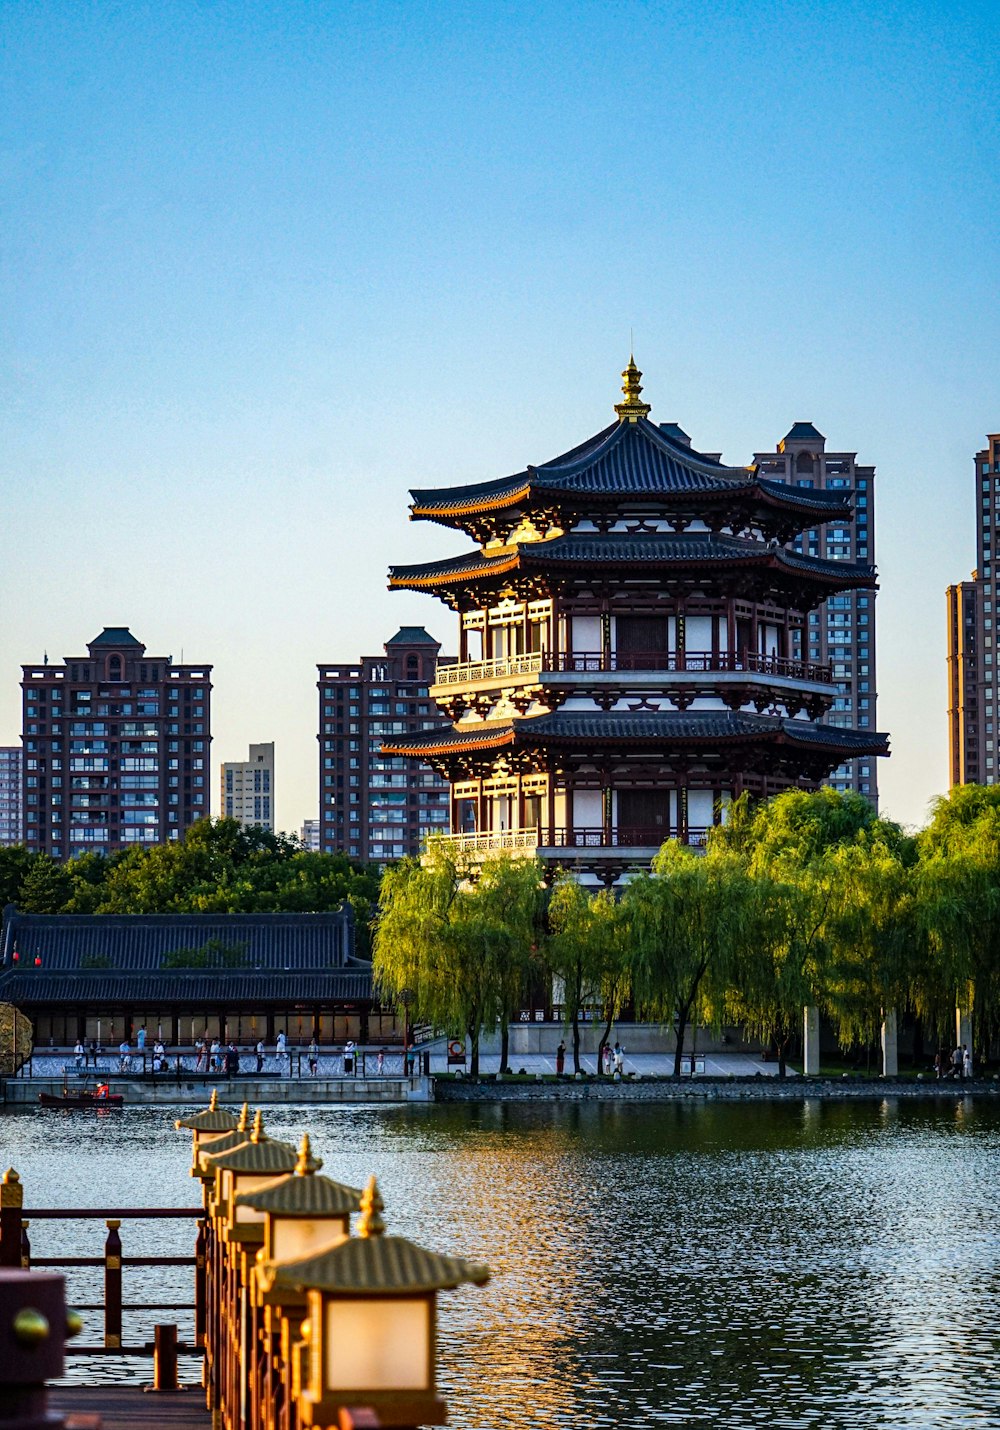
{"type": "Point", "coordinates": [601, 792]}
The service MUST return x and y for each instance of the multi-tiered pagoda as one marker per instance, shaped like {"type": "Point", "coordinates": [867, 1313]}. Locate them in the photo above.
{"type": "Point", "coordinates": [630, 647]}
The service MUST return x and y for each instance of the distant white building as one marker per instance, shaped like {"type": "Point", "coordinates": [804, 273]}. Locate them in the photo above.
{"type": "Point", "coordinates": [11, 809]}
{"type": "Point", "coordinates": [309, 835]}
{"type": "Point", "coordinates": [247, 788]}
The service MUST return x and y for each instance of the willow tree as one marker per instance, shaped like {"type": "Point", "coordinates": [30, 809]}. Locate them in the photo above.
{"type": "Point", "coordinates": [458, 940]}
{"type": "Point", "coordinates": [957, 895]}
{"type": "Point", "coordinates": [871, 936]}
{"type": "Point", "coordinates": [688, 924]}
{"type": "Point", "coordinates": [839, 931]}
{"type": "Point", "coordinates": [586, 951]}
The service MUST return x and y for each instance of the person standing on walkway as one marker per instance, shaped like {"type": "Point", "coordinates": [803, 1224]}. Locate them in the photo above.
{"type": "Point", "coordinates": [606, 1059]}
{"type": "Point", "coordinates": [560, 1059]}
{"type": "Point", "coordinates": [280, 1051]}
{"type": "Point", "coordinates": [619, 1059]}
{"type": "Point", "coordinates": [966, 1061]}
{"type": "Point", "coordinates": [80, 1055]}
{"type": "Point", "coordinates": [957, 1062]}
{"type": "Point", "coordinates": [349, 1057]}
{"type": "Point", "coordinates": [140, 1039]}
{"type": "Point", "coordinates": [260, 1055]}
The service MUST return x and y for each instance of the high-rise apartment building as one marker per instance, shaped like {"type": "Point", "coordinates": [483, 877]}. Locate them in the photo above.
{"type": "Point", "coordinates": [116, 748]}
{"type": "Point", "coordinates": [310, 837]}
{"type": "Point", "coordinates": [973, 679]}
{"type": "Point", "coordinates": [373, 806]}
{"type": "Point", "coordinates": [247, 788]}
{"type": "Point", "coordinates": [965, 754]}
{"type": "Point", "coordinates": [842, 631]}
{"type": "Point", "coordinates": [11, 806]}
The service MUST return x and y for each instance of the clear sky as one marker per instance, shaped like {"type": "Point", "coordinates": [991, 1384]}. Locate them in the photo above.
{"type": "Point", "coordinates": [266, 266]}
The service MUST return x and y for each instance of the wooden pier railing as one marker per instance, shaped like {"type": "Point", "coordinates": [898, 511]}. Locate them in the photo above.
{"type": "Point", "coordinates": [15, 1250]}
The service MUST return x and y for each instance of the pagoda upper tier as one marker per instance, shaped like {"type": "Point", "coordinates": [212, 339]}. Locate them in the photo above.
{"type": "Point", "coordinates": [667, 563]}
{"type": "Point", "coordinates": [632, 469]}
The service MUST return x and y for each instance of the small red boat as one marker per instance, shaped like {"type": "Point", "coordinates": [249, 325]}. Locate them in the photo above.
{"type": "Point", "coordinates": [99, 1096]}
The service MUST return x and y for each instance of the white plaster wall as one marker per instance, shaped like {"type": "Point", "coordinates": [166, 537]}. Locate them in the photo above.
{"type": "Point", "coordinates": [587, 809]}
{"type": "Point", "coordinates": [723, 626]}
{"type": "Point", "coordinates": [698, 633]}
{"type": "Point", "coordinates": [699, 808]}
{"type": "Point", "coordinates": [586, 633]}
{"type": "Point", "coordinates": [771, 640]}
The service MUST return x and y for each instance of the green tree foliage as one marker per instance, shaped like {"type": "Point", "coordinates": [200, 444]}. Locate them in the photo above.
{"type": "Point", "coordinates": [689, 923]}
{"type": "Point", "coordinates": [460, 940]}
{"type": "Point", "coordinates": [47, 887]}
{"type": "Point", "coordinates": [958, 906]}
{"type": "Point", "coordinates": [586, 952]}
{"type": "Point", "coordinates": [15, 863]}
{"type": "Point", "coordinates": [836, 879]}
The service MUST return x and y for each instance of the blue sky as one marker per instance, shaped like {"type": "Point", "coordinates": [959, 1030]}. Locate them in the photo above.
{"type": "Point", "coordinates": [264, 267]}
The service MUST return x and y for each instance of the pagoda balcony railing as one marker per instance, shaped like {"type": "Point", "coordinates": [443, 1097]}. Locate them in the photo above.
{"type": "Point", "coordinates": [498, 841]}
{"type": "Point", "coordinates": [599, 662]}
{"type": "Point", "coordinates": [529, 664]}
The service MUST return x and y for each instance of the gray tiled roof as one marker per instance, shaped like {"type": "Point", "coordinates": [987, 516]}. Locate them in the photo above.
{"type": "Point", "coordinates": [648, 727]}
{"type": "Point", "coordinates": [134, 943]}
{"type": "Point", "coordinates": [629, 459]}
{"type": "Point", "coordinates": [196, 989]}
{"type": "Point", "coordinates": [622, 548]}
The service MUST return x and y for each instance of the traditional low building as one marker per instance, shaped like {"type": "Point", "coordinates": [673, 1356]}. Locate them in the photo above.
{"type": "Point", "coordinates": [630, 645]}
{"type": "Point", "coordinates": [184, 976]}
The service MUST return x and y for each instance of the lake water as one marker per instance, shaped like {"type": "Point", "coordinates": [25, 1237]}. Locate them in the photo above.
{"type": "Point", "coordinates": [760, 1264]}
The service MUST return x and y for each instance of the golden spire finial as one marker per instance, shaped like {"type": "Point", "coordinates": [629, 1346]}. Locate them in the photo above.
{"type": "Point", "coordinates": [244, 1121]}
{"type": "Point", "coordinates": [632, 409]}
{"type": "Point", "coordinates": [213, 1101]}
{"type": "Point", "coordinates": [258, 1134]}
{"type": "Point", "coordinates": [372, 1205]}
{"type": "Point", "coordinates": [304, 1166]}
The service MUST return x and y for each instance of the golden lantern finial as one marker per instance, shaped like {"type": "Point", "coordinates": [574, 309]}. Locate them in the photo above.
{"type": "Point", "coordinates": [213, 1101]}
{"type": "Point", "coordinates": [244, 1121]}
{"type": "Point", "coordinates": [372, 1206]}
{"type": "Point", "coordinates": [632, 409]}
{"type": "Point", "coordinates": [258, 1134]}
{"type": "Point", "coordinates": [305, 1165]}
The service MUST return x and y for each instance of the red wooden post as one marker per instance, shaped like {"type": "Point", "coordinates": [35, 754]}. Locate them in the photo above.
{"type": "Point", "coordinates": [199, 1284]}
{"type": "Point", "coordinates": [165, 1358]}
{"type": "Point", "coordinates": [113, 1287]}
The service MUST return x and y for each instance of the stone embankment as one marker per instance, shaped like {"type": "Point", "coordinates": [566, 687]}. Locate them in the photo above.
{"type": "Point", "coordinates": [750, 1089]}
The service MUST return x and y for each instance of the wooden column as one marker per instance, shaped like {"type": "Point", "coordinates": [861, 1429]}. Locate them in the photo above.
{"type": "Point", "coordinates": [731, 630]}
{"type": "Point", "coordinates": [550, 808]}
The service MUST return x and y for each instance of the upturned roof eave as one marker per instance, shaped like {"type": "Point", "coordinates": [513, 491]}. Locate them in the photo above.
{"type": "Point", "coordinates": [531, 732]}
{"type": "Point", "coordinates": [538, 557]}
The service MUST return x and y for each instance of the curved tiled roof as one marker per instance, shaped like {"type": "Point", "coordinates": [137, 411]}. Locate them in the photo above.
{"type": "Point", "coordinates": [197, 990]}
{"type": "Point", "coordinates": [623, 549]}
{"type": "Point", "coordinates": [625, 459]}
{"type": "Point", "coordinates": [136, 943]}
{"type": "Point", "coordinates": [690, 727]}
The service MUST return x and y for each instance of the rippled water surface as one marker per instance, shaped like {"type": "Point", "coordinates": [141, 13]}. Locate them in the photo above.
{"type": "Point", "coordinates": [788, 1265]}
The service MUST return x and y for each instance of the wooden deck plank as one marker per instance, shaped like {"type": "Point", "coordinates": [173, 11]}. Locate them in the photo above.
{"type": "Point", "coordinates": [128, 1407]}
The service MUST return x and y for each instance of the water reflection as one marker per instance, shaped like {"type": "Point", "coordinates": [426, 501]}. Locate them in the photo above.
{"type": "Point", "coordinates": [788, 1264]}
